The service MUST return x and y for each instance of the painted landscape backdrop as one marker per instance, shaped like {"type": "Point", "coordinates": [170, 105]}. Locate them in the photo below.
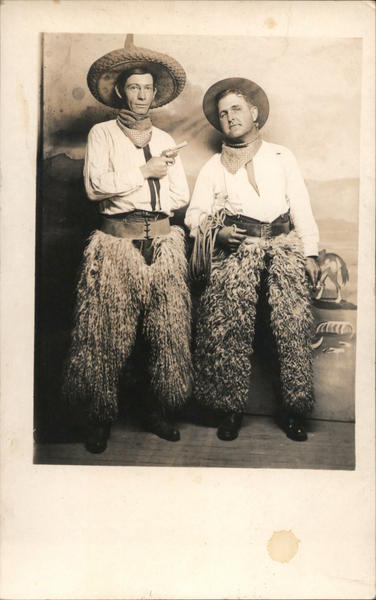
{"type": "Point", "coordinates": [313, 120]}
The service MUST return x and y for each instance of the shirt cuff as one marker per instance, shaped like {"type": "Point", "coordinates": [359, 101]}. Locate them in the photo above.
{"type": "Point", "coordinates": [193, 231]}
{"type": "Point", "coordinates": [311, 248]}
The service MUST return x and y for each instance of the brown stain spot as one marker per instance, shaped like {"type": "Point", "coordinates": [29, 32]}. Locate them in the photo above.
{"type": "Point", "coordinates": [270, 23]}
{"type": "Point", "coordinates": [78, 93]}
{"type": "Point", "coordinates": [283, 545]}
{"type": "Point", "coordinates": [197, 479]}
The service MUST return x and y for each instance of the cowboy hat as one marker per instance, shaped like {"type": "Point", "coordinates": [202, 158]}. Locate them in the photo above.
{"type": "Point", "coordinates": [249, 88]}
{"type": "Point", "coordinates": [169, 75]}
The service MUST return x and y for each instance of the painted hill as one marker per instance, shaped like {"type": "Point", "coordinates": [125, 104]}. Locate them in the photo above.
{"type": "Point", "coordinates": [337, 199]}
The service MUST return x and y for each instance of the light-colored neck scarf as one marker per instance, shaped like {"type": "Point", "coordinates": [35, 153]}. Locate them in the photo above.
{"type": "Point", "coordinates": [138, 128]}
{"type": "Point", "coordinates": [236, 156]}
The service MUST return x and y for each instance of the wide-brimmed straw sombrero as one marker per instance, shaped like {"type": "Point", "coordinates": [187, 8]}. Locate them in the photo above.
{"type": "Point", "coordinates": [247, 87]}
{"type": "Point", "coordinates": [169, 75]}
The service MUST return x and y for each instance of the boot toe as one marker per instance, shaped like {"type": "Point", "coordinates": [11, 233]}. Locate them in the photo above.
{"type": "Point", "coordinates": [96, 447]}
{"type": "Point", "coordinates": [97, 437]}
{"type": "Point", "coordinates": [174, 435]}
{"type": "Point", "coordinates": [228, 430]}
{"type": "Point", "coordinates": [227, 435]}
{"type": "Point", "coordinates": [156, 424]}
{"type": "Point", "coordinates": [295, 430]}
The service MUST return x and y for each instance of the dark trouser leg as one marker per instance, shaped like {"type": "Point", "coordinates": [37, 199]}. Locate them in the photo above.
{"type": "Point", "coordinates": [265, 346]}
{"type": "Point", "coordinates": [291, 323]}
{"type": "Point", "coordinates": [167, 324]}
{"type": "Point", "coordinates": [109, 298]}
{"type": "Point", "coordinates": [225, 331]}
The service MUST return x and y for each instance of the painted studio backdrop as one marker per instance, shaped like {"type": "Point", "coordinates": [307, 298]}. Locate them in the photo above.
{"type": "Point", "coordinates": [313, 87]}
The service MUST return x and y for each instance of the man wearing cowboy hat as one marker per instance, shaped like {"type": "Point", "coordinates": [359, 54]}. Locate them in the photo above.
{"type": "Point", "coordinates": [250, 204]}
{"type": "Point", "coordinates": [133, 282]}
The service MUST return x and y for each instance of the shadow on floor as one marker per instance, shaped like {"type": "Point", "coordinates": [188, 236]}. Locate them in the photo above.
{"type": "Point", "coordinates": [261, 444]}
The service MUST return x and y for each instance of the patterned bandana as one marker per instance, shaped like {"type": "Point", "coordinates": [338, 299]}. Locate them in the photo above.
{"type": "Point", "coordinates": [136, 127]}
{"type": "Point", "coordinates": [234, 157]}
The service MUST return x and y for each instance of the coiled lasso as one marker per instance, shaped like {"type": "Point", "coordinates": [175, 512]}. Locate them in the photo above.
{"type": "Point", "coordinates": [200, 264]}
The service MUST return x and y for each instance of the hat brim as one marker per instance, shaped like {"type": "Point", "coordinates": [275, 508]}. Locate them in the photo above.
{"type": "Point", "coordinates": [247, 87]}
{"type": "Point", "coordinates": [169, 75]}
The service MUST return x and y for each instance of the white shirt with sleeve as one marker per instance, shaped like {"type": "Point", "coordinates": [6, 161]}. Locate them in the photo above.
{"type": "Point", "coordinates": [113, 177]}
{"type": "Point", "coordinates": [280, 184]}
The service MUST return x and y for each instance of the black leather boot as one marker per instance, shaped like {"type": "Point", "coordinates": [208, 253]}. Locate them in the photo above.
{"type": "Point", "coordinates": [228, 429]}
{"type": "Point", "coordinates": [294, 428]}
{"type": "Point", "coordinates": [156, 423]}
{"type": "Point", "coordinates": [97, 436]}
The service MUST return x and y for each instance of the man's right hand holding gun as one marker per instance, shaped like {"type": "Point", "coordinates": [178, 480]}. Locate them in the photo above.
{"type": "Point", "coordinates": [156, 167]}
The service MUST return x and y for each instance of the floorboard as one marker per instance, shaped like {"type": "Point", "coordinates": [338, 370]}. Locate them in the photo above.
{"type": "Point", "coordinates": [261, 444]}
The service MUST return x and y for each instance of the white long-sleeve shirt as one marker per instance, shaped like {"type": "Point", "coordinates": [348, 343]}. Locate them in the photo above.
{"type": "Point", "coordinates": [280, 184]}
{"type": "Point", "coordinates": [113, 177]}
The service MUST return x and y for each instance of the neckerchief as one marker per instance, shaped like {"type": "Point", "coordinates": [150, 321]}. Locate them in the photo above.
{"type": "Point", "coordinates": [136, 127]}
{"type": "Point", "coordinates": [233, 157]}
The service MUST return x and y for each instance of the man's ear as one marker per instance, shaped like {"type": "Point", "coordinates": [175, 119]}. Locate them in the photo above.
{"type": "Point", "coordinates": [254, 113]}
{"type": "Point", "coordinates": [155, 91]}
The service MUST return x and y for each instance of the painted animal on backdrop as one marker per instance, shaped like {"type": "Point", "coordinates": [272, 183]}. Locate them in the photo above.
{"type": "Point", "coordinates": [338, 334]}
{"type": "Point", "coordinates": [333, 269]}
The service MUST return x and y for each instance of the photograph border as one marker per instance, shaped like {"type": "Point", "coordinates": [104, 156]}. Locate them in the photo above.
{"type": "Point", "coordinates": [90, 532]}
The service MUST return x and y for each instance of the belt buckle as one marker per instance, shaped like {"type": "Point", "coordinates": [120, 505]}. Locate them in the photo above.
{"type": "Point", "coordinates": [266, 230]}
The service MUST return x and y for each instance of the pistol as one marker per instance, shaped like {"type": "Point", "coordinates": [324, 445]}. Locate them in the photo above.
{"type": "Point", "coordinates": [174, 149]}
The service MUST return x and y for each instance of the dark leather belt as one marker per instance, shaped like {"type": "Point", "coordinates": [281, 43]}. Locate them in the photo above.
{"type": "Point", "coordinates": [136, 225]}
{"type": "Point", "coordinates": [254, 228]}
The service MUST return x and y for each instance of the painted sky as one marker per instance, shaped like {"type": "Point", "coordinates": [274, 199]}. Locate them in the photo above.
{"type": "Point", "coordinates": [313, 85]}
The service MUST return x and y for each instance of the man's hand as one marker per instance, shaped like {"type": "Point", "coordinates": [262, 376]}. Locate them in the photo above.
{"type": "Point", "coordinates": [170, 155]}
{"type": "Point", "coordinates": [230, 237]}
{"type": "Point", "coordinates": [312, 269]}
{"type": "Point", "coordinates": [156, 167]}
{"type": "Point", "coordinates": [173, 152]}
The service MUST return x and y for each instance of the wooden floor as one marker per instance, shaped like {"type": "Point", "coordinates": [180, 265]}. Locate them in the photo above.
{"type": "Point", "coordinates": [261, 444]}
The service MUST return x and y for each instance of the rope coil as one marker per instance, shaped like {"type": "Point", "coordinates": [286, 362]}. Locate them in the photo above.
{"type": "Point", "coordinates": [200, 264]}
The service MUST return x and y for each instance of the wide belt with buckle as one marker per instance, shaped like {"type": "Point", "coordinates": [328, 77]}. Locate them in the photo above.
{"type": "Point", "coordinates": [254, 228]}
{"type": "Point", "coordinates": [136, 225]}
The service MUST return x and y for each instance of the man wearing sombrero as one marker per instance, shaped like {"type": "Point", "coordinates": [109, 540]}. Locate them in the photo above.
{"type": "Point", "coordinates": [133, 282]}
{"type": "Point", "coordinates": [251, 217]}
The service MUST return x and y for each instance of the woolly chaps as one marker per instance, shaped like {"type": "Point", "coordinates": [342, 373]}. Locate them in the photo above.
{"type": "Point", "coordinates": [117, 293]}
{"type": "Point", "coordinates": [226, 325]}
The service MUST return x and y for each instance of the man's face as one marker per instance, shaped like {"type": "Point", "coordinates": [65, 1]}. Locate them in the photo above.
{"type": "Point", "coordinates": [236, 117]}
{"type": "Point", "coordinates": [139, 92]}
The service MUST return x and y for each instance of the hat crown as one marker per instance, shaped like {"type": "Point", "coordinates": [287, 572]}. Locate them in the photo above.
{"type": "Point", "coordinates": [129, 41]}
